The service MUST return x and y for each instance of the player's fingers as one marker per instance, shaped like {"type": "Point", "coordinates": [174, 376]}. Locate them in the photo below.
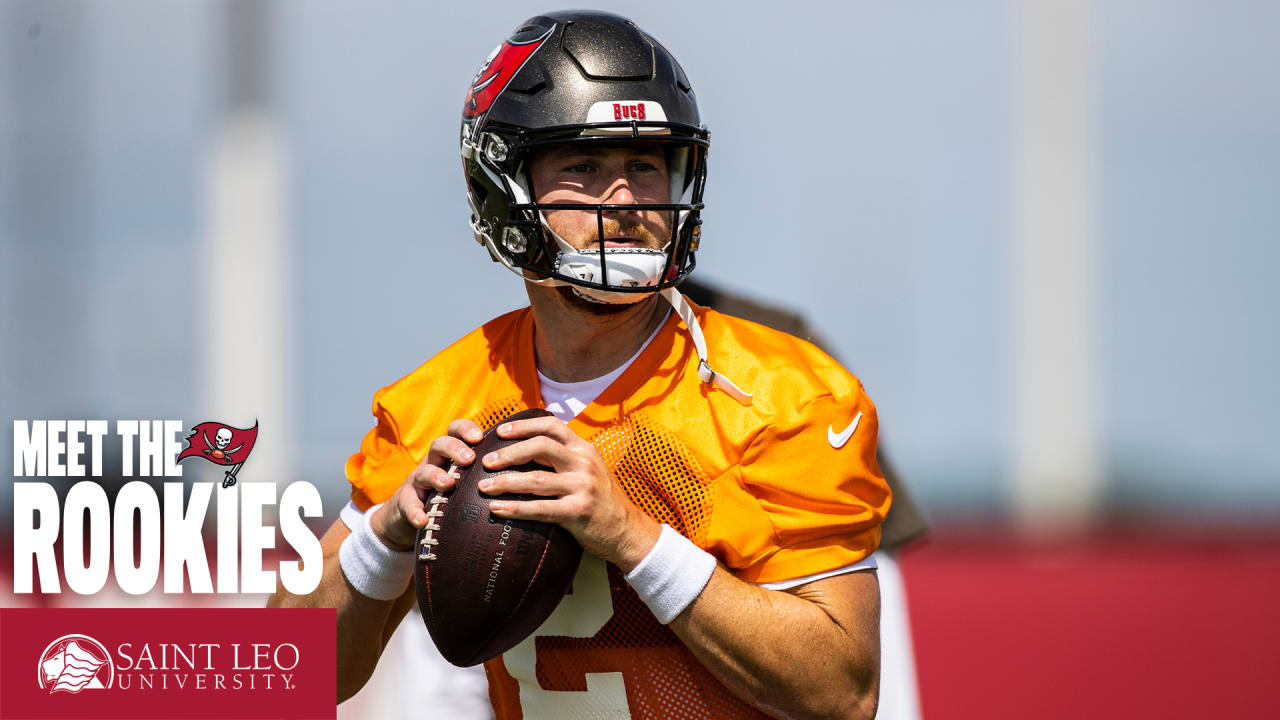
{"type": "Point", "coordinates": [537, 482]}
{"type": "Point", "coordinates": [540, 510]}
{"type": "Point", "coordinates": [446, 449]}
{"type": "Point", "coordinates": [415, 506]}
{"type": "Point", "coordinates": [397, 521]}
{"type": "Point", "coordinates": [427, 477]}
{"type": "Point", "coordinates": [466, 430]}
{"type": "Point", "coordinates": [539, 448]}
{"type": "Point", "coordinates": [550, 426]}
{"type": "Point", "coordinates": [412, 509]}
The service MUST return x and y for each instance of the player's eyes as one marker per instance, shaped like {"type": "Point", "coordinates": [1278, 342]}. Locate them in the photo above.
{"type": "Point", "coordinates": [588, 167]}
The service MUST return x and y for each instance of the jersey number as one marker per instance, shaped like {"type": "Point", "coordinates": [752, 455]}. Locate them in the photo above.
{"type": "Point", "coordinates": [581, 614]}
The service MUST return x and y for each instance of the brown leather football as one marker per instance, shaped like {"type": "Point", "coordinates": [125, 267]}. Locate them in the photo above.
{"type": "Point", "coordinates": [485, 583]}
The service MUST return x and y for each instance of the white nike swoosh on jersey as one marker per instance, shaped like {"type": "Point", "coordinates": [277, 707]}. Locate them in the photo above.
{"type": "Point", "coordinates": [838, 440]}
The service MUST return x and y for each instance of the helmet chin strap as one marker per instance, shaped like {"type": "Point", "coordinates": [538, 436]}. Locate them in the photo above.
{"type": "Point", "coordinates": [705, 373]}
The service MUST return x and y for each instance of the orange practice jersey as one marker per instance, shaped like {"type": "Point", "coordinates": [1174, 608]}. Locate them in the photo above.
{"type": "Point", "coordinates": [761, 487]}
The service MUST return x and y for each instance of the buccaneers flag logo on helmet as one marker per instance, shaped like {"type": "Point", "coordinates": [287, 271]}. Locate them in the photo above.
{"type": "Point", "coordinates": [221, 444]}
{"type": "Point", "coordinates": [497, 71]}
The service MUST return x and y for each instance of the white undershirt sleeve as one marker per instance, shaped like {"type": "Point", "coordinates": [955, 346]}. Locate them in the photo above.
{"type": "Point", "coordinates": [350, 515]}
{"type": "Point", "coordinates": [867, 563]}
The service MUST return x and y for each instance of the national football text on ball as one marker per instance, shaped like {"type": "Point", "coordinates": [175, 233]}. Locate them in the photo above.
{"type": "Point", "coordinates": [523, 545]}
{"type": "Point", "coordinates": [497, 563]}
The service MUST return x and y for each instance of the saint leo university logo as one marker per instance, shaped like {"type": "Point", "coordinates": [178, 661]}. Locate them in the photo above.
{"type": "Point", "coordinates": [221, 444]}
{"type": "Point", "coordinates": [73, 663]}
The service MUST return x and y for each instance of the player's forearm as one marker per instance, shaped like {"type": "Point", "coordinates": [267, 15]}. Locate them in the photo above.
{"type": "Point", "coordinates": [780, 652]}
{"type": "Point", "coordinates": [363, 624]}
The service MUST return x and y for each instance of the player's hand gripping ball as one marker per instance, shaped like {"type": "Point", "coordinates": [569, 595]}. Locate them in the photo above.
{"type": "Point", "coordinates": [485, 583]}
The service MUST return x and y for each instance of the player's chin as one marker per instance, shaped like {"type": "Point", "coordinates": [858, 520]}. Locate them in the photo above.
{"type": "Point", "coordinates": [591, 306]}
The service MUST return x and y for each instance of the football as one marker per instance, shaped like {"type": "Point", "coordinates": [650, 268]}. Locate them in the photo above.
{"type": "Point", "coordinates": [485, 583]}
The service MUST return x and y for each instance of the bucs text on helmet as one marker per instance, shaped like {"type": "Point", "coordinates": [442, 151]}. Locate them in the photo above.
{"type": "Point", "coordinates": [581, 77]}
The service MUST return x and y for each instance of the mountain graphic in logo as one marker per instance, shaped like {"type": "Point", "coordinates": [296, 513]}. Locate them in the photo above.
{"type": "Point", "coordinates": [73, 663]}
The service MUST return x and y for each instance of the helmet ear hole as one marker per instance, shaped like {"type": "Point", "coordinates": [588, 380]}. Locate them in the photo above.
{"type": "Point", "coordinates": [478, 192]}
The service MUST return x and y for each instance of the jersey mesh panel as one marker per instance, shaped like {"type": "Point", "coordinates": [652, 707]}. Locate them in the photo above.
{"type": "Point", "coordinates": [499, 410]}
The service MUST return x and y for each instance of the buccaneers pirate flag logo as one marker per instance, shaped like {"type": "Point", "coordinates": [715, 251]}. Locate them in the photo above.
{"type": "Point", "coordinates": [222, 445]}
{"type": "Point", "coordinates": [502, 65]}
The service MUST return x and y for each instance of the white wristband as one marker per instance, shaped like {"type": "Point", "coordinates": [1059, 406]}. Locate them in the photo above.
{"type": "Point", "coordinates": [672, 575]}
{"type": "Point", "coordinates": [372, 568]}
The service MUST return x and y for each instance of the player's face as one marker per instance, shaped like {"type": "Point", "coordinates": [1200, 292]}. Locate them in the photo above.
{"type": "Point", "coordinates": [620, 175]}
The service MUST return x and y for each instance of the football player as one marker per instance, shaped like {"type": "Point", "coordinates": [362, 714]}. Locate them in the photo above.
{"type": "Point", "coordinates": [720, 475]}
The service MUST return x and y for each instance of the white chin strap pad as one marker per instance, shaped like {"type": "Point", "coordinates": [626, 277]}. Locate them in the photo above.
{"type": "Point", "coordinates": [628, 267]}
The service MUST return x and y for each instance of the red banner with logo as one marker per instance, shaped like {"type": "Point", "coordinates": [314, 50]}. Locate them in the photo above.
{"type": "Point", "coordinates": [167, 662]}
{"type": "Point", "coordinates": [220, 443]}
